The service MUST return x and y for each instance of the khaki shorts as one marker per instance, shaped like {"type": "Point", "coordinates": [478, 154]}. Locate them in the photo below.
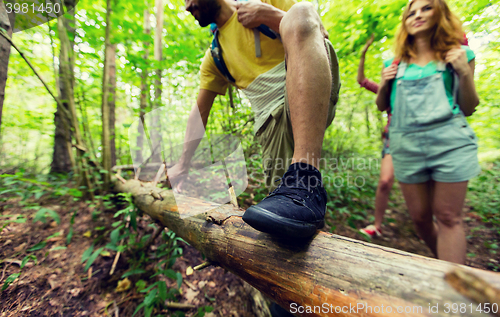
{"type": "Point", "coordinates": [276, 137]}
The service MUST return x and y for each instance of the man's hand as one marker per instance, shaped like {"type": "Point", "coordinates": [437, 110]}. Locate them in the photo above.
{"type": "Point", "coordinates": [176, 176]}
{"type": "Point", "coordinates": [249, 13]}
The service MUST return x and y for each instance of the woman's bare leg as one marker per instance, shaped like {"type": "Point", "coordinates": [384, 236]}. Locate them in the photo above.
{"type": "Point", "coordinates": [447, 206]}
{"type": "Point", "coordinates": [383, 189]}
{"type": "Point", "coordinates": [419, 199]}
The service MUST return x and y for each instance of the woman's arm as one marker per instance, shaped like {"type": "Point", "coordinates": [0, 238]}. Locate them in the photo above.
{"type": "Point", "coordinates": [361, 67]}
{"type": "Point", "coordinates": [467, 96]}
{"type": "Point", "coordinates": [384, 91]}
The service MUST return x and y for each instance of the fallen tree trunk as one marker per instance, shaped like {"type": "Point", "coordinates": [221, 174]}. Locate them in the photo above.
{"type": "Point", "coordinates": [327, 275]}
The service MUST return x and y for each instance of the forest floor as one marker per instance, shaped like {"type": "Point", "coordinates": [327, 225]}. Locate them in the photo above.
{"type": "Point", "coordinates": [58, 285]}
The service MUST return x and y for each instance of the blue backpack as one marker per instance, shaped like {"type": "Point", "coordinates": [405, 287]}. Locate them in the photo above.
{"type": "Point", "coordinates": [216, 50]}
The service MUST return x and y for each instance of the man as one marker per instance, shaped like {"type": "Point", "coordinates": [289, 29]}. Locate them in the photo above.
{"type": "Point", "coordinates": [290, 120]}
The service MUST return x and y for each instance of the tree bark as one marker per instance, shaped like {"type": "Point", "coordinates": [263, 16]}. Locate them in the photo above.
{"type": "Point", "coordinates": [154, 133]}
{"type": "Point", "coordinates": [66, 64]}
{"type": "Point", "coordinates": [367, 120]}
{"type": "Point", "coordinates": [144, 86]}
{"type": "Point", "coordinates": [105, 144]}
{"type": "Point", "coordinates": [63, 160]}
{"type": "Point", "coordinates": [328, 272]}
{"type": "Point", "coordinates": [7, 23]}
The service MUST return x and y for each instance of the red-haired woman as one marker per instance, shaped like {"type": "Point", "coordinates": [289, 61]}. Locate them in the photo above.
{"type": "Point", "coordinates": [433, 148]}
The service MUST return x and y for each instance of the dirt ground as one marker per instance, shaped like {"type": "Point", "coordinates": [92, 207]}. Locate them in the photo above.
{"type": "Point", "coordinates": [58, 286]}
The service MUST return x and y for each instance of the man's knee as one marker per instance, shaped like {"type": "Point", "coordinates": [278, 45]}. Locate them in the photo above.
{"type": "Point", "coordinates": [300, 22]}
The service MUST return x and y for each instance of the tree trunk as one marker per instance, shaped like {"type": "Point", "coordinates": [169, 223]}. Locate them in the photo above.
{"type": "Point", "coordinates": [66, 63]}
{"type": "Point", "coordinates": [330, 274]}
{"type": "Point", "coordinates": [367, 120]}
{"type": "Point", "coordinates": [63, 160]}
{"type": "Point", "coordinates": [7, 23]}
{"type": "Point", "coordinates": [155, 129]}
{"type": "Point", "coordinates": [144, 86]}
{"type": "Point", "coordinates": [112, 101]}
{"type": "Point", "coordinates": [105, 144]}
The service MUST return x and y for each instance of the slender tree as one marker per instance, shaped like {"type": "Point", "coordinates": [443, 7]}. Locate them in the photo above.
{"type": "Point", "coordinates": [155, 124]}
{"type": "Point", "coordinates": [111, 55]}
{"type": "Point", "coordinates": [66, 66]}
{"type": "Point", "coordinates": [6, 23]}
{"type": "Point", "coordinates": [106, 133]}
{"type": "Point", "coordinates": [63, 160]}
{"type": "Point", "coordinates": [144, 85]}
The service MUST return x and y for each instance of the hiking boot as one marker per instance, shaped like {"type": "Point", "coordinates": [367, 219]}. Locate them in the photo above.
{"type": "Point", "coordinates": [296, 208]}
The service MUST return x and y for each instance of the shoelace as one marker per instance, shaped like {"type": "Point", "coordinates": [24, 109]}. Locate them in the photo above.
{"type": "Point", "coordinates": [294, 192]}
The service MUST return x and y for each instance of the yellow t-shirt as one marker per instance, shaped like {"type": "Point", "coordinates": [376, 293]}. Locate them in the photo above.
{"type": "Point", "coordinates": [238, 51]}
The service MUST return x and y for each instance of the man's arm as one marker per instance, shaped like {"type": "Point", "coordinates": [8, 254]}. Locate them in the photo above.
{"type": "Point", "coordinates": [252, 14]}
{"type": "Point", "coordinates": [195, 130]}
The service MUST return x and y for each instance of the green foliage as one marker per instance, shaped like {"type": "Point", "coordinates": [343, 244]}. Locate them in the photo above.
{"type": "Point", "coordinates": [484, 194]}
{"type": "Point", "coordinates": [20, 185]}
{"type": "Point", "coordinates": [350, 183]}
{"type": "Point", "coordinates": [43, 213]}
{"type": "Point", "coordinates": [11, 278]}
{"type": "Point", "coordinates": [13, 219]}
{"type": "Point", "coordinates": [124, 237]}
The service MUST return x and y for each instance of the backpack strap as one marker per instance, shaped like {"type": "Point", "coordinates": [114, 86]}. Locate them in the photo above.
{"type": "Point", "coordinates": [216, 52]}
{"type": "Point", "coordinates": [264, 29]}
{"type": "Point", "coordinates": [455, 82]}
{"type": "Point", "coordinates": [396, 62]}
{"type": "Point", "coordinates": [216, 49]}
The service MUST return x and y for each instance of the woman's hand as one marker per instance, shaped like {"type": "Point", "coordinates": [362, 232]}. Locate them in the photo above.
{"type": "Point", "coordinates": [388, 73]}
{"type": "Point", "coordinates": [457, 57]}
{"type": "Point", "coordinates": [368, 43]}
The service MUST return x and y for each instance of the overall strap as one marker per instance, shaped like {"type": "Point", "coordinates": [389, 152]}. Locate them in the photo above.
{"type": "Point", "coordinates": [442, 67]}
{"type": "Point", "coordinates": [401, 69]}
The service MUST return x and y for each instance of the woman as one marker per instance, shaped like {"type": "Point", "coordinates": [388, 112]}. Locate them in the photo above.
{"type": "Point", "coordinates": [434, 150]}
{"type": "Point", "coordinates": [386, 170]}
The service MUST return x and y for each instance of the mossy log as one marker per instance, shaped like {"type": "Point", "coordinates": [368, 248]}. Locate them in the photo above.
{"type": "Point", "coordinates": [325, 276]}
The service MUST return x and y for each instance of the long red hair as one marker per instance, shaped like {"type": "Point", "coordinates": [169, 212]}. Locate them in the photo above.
{"type": "Point", "coordinates": [446, 34]}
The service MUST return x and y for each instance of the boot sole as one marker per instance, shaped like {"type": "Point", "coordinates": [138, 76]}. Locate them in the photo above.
{"type": "Point", "coordinates": [268, 222]}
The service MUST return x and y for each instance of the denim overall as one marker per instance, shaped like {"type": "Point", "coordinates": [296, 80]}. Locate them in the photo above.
{"type": "Point", "coordinates": [428, 141]}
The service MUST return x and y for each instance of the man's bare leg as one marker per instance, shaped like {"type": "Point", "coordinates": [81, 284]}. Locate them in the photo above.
{"type": "Point", "coordinates": [308, 80]}
{"type": "Point", "coordinates": [296, 209]}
